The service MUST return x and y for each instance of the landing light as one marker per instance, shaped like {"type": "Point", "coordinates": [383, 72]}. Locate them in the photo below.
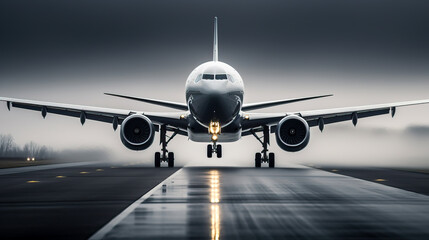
{"type": "Point", "coordinates": [214, 130]}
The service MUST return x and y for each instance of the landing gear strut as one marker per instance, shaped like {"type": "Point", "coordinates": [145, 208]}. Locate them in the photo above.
{"type": "Point", "coordinates": [264, 156]}
{"type": "Point", "coordinates": [215, 148]}
{"type": "Point", "coordinates": [164, 155]}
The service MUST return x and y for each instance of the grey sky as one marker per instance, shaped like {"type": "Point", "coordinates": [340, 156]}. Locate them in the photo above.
{"type": "Point", "coordinates": [364, 52]}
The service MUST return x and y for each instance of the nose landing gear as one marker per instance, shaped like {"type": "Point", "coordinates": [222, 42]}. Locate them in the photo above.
{"type": "Point", "coordinates": [262, 156]}
{"type": "Point", "coordinates": [215, 148]}
{"type": "Point", "coordinates": [214, 130]}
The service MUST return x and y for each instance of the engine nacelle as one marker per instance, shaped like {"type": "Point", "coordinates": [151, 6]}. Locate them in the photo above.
{"type": "Point", "coordinates": [292, 133]}
{"type": "Point", "coordinates": [137, 132]}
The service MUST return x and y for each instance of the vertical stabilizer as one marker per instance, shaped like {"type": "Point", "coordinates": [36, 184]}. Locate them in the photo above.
{"type": "Point", "coordinates": [215, 52]}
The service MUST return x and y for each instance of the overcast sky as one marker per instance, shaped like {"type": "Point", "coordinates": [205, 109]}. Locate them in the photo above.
{"type": "Point", "coordinates": [363, 52]}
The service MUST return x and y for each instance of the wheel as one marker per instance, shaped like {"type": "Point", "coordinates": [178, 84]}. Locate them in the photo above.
{"type": "Point", "coordinates": [258, 160]}
{"type": "Point", "coordinates": [209, 151]}
{"type": "Point", "coordinates": [171, 159]}
{"type": "Point", "coordinates": [271, 160]}
{"type": "Point", "coordinates": [219, 151]}
{"type": "Point", "coordinates": [157, 159]}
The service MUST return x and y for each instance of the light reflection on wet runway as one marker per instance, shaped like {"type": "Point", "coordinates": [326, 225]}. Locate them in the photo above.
{"type": "Point", "coordinates": [293, 203]}
{"type": "Point", "coordinates": [214, 200]}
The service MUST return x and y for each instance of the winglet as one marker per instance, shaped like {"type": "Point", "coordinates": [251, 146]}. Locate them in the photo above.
{"type": "Point", "coordinates": [215, 50]}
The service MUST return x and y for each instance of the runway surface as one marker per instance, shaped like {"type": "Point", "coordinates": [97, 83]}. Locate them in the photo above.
{"type": "Point", "coordinates": [288, 203]}
{"type": "Point", "coordinates": [69, 201]}
{"type": "Point", "coordinates": [135, 202]}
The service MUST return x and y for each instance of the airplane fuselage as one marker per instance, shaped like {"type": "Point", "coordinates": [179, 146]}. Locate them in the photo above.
{"type": "Point", "coordinates": [214, 93]}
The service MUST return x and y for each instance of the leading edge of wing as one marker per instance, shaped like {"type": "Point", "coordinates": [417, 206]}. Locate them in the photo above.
{"type": "Point", "coordinates": [345, 110]}
{"type": "Point", "coordinates": [259, 105]}
{"type": "Point", "coordinates": [100, 114]}
{"type": "Point", "coordinates": [175, 105]}
{"type": "Point", "coordinates": [332, 115]}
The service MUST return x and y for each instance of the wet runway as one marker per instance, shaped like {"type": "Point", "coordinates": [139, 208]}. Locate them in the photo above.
{"type": "Point", "coordinates": [69, 201]}
{"type": "Point", "coordinates": [287, 203]}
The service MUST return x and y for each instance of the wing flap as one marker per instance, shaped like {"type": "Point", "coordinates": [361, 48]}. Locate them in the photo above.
{"type": "Point", "coordinates": [314, 121]}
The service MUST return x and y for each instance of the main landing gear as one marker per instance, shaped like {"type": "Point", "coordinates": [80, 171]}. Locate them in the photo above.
{"type": "Point", "coordinates": [262, 156]}
{"type": "Point", "coordinates": [215, 148]}
{"type": "Point", "coordinates": [164, 155]}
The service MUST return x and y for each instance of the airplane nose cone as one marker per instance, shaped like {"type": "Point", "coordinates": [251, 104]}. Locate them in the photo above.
{"type": "Point", "coordinates": [218, 107]}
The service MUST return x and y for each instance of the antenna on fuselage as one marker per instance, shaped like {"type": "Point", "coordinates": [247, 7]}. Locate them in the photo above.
{"type": "Point", "coordinates": [215, 52]}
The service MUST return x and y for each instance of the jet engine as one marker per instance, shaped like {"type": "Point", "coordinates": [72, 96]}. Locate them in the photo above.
{"type": "Point", "coordinates": [292, 133]}
{"type": "Point", "coordinates": [137, 132]}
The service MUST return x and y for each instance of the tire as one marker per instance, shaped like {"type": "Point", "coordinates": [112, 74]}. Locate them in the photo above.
{"type": "Point", "coordinates": [171, 159]}
{"type": "Point", "coordinates": [257, 160]}
{"type": "Point", "coordinates": [209, 151]}
{"type": "Point", "coordinates": [157, 159]}
{"type": "Point", "coordinates": [271, 160]}
{"type": "Point", "coordinates": [219, 151]}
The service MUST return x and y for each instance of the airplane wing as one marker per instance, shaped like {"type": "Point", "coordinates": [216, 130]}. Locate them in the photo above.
{"type": "Point", "coordinates": [327, 116]}
{"type": "Point", "coordinates": [108, 115]}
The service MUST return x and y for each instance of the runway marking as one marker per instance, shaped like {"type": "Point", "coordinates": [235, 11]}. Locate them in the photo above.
{"type": "Point", "coordinates": [380, 180]}
{"type": "Point", "coordinates": [60, 176]}
{"type": "Point", "coordinates": [99, 170]}
{"type": "Point", "coordinates": [100, 234]}
{"type": "Point", "coordinates": [33, 181]}
{"type": "Point", "coordinates": [334, 170]}
{"type": "Point", "coordinates": [84, 172]}
{"type": "Point", "coordinates": [8, 171]}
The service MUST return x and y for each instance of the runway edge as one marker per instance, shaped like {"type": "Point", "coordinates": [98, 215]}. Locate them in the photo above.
{"type": "Point", "coordinates": [100, 234]}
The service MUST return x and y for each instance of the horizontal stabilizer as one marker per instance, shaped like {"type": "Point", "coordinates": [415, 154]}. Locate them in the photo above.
{"type": "Point", "coordinates": [253, 106]}
{"type": "Point", "coordinates": [175, 105]}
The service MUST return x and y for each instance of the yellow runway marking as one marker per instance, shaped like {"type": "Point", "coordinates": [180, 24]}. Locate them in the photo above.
{"type": "Point", "coordinates": [334, 170]}
{"type": "Point", "coordinates": [84, 172]}
{"type": "Point", "coordinates": [33, 181]}
{"type": "Point", "coordinates": [60, 176]}
{"type": "Point", "coordinates": [99, 170]}
{"type": "Point", "coordinates": [380, 180]}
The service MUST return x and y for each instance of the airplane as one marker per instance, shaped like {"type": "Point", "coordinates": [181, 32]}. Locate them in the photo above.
{"type": "Point", "coordinates": [214, 113]}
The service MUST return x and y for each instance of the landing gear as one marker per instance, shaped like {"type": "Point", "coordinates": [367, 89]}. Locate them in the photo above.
{"type": "Point", "coordinates": [157, 159]}
{"type": "Point", "coordinates": [271, 160]}
{"type": "Point", "coordinates": [219, 151]}
{"type": "Point", "coordinates": [171, 159]}
{"type": "Point", "coordinates": [164, 155]}
{"type": "Point", "coordinates": [215, 148]}
{"type": "Point", "coordinates": [263, 156]}
{"type": "Point", "coordinates": [209, 151]}
{"type": "Point", "coordinates": [258, 160]}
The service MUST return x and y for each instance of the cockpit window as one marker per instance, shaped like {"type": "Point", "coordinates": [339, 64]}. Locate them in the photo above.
{"type": "Point", "coordinates": [208, 76]}
{"type": "Point", "coordinates": [221, 77]}
{"type": "Point", "coordinates": [231, 78]}
{"type": "Point", "coordinates": [214, 77]}
{"type": "Point", "coordinates": [198, 78]}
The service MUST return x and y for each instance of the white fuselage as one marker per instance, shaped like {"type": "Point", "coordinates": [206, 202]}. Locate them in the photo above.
{"type": "Point", "coordinates": [214, 92]}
